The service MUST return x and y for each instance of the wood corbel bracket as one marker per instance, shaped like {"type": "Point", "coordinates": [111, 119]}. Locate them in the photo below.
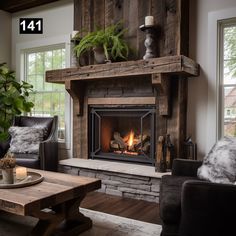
{"type": "Point", "coordinates": [161, 82]}
{"type": "Point", "coordinates": [76, 90]}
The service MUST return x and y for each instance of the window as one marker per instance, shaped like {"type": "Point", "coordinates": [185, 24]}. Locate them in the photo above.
{"type": "Point", "coordinates": [48, 98]}
{"type": "Point", "coordinates": [228, 76]}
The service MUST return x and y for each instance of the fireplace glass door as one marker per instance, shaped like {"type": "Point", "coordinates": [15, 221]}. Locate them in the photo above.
{"type": "Point", "coordinates": [124, 134]}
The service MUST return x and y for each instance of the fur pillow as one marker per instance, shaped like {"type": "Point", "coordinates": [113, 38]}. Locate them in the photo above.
{"type": "Point", "coordinates": [219, 166]}
{"type": "Point", "coordinates": [25, 139]}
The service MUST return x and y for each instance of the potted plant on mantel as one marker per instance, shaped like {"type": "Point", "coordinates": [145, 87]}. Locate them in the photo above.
{"type": "Point", "coordinates": [13, 99]}
{"type": "Point", "coordinates": [107, 44]}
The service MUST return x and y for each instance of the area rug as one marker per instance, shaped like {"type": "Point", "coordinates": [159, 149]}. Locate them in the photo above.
{"type": "Point", "coordinates": [103, 225]}
{"type": "Point", "coordinates": [110, 225]}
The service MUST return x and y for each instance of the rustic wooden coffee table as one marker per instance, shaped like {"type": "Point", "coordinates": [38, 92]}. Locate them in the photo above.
{"type": "Point", "coordinates": [55, 202]}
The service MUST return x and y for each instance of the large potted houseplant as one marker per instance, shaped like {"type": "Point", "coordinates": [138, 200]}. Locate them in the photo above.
{"type": "Point", "coordinates": [13, 99]}
{"type": "Point", "coordinates": [108, 42]}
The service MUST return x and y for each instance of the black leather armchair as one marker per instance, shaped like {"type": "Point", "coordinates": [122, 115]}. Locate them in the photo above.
{"type": "Point", "coordinates": [193, 207]}
{"type": "Point", "coordinates": [47, 159]}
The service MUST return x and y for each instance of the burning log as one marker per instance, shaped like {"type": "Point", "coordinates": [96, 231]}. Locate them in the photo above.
{"type": "Point", "coordinates": [119, 140]}
{"type": "Point", "coordinates": [130, 144]}
{"type": "Point", "coordinates": [141, 141]}
{"type": "Point", "coordinates": [114, 145]}
{"type": "Point", "coordinates": [146, 147]}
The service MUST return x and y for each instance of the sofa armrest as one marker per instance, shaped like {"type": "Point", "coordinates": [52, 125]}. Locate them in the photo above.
{"type": "Point", "coordinates": [207, 208]}
{"type": "Point", "coordinates": [185, 167]}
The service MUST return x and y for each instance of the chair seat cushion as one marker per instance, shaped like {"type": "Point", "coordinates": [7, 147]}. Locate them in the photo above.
{"type": "Point", "coordinates": [27, 160]}
{"type": "Point", "coordinates": [170, 197]}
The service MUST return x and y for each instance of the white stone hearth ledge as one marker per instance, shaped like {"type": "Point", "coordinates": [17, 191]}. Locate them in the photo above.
{"type": "Point", "coordinates": [117, 167]}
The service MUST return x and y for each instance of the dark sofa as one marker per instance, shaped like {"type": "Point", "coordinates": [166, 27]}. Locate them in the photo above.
{"type": "Point", "coordinates": [193, 207]}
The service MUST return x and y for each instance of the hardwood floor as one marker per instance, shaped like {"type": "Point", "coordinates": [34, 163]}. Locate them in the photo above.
{"type": "Point", "coordinates": [125, 207]}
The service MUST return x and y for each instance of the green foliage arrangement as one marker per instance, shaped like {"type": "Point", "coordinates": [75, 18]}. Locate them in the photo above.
{"type": "Point", "coordinates": [8, 161]}
{"type": "Point", "coordinates": [13, 99]}
{"type": "Point", "coordinates": [110, 39]}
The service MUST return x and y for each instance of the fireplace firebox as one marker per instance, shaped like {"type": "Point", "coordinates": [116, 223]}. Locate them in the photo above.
{"type": "Point", "coordinates": [122, 134]}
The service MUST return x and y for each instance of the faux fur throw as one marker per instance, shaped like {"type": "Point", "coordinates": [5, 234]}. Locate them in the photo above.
{"type": "Point", "coordinates": [219, 166]}
{"type": "Point", "coordinates": [25, 139]}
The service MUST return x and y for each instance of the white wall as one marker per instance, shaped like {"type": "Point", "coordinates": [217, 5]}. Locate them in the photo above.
{"type": "Point", "coordinates": [57, 22]}
{"type": "Point", "coordinates": [202, 94]}
{"type": "Point", "coordinates": [5, 37]}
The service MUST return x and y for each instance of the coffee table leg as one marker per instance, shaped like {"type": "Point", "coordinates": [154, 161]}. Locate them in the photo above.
{"type": "Point", "coordinates": [47, 223]}
{"type": "Point", "coordinates": [75, 222]}
{"type": "Point", "coordinates": [66, 220]}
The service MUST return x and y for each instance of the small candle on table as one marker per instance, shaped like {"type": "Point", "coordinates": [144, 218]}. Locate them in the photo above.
{"type": "Point", "coordinates": [21, 173]}
{"type": "Point", "coordinates": [149, 21]}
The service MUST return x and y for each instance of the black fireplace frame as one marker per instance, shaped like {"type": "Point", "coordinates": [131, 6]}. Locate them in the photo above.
{"type": "Point", "coordinates": [95, 112]}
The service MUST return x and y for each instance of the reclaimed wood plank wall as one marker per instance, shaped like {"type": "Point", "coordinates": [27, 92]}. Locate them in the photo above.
{"type": "Point", "coordinates": [171, 16]}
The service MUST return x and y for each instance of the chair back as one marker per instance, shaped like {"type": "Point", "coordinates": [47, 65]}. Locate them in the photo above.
{"type": "Point", "coordinates": [49, 124]}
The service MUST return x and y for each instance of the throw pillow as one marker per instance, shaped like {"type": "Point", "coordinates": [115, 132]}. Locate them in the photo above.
{"type": "Point", "coordinates": [44, 128]}
{"type": "Point", "coordinates": [25, 139]}
{"type": "Point", "coordinates": [219, 166]}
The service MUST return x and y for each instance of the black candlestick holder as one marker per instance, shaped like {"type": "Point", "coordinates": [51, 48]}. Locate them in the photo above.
{"type": "Point", "coordinates": [150, 41]}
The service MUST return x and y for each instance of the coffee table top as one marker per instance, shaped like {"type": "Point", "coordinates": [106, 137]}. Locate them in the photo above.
{"type": "Point", "coordinates": [56, 188]}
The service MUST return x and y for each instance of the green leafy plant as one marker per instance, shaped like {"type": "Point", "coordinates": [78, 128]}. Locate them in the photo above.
{"type": "Point", "coordinates": [13, 99]}
{"type": "Point", "coordinates": [110, 39]}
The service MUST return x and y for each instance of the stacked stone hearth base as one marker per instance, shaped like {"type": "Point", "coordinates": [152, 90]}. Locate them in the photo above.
{"type": "Point", "coordinates": [120, 179]}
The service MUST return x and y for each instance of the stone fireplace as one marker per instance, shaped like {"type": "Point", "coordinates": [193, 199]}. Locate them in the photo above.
{"type": "Point", "coordinates": [109, 108]}
{"type": "Point", "coordinates": [137, 99]}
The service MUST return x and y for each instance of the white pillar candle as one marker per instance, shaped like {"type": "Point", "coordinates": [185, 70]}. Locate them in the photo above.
{"type": "Point", "coordinates": [21, 173]}
{"type": "Point", "coordinates": [149, 20]}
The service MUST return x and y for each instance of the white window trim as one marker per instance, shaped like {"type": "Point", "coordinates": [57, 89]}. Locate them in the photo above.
{"type": "Point", "coordinates": [21, 48]}
{"type": "Point", "coordinates": [213, 108]}
{"type": "Point", "coordinates": [221, 25]}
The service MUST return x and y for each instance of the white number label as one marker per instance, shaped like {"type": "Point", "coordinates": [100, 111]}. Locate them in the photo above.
{"type": "Point", "coordinates": [31, 25]}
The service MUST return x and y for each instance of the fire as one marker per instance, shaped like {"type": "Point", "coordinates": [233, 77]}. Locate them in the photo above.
{"type": "Point", "coordinates": [131, 139]}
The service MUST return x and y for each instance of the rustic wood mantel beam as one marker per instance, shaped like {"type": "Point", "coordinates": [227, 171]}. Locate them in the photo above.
{"type": "Point", "coordinates": [179, 65]}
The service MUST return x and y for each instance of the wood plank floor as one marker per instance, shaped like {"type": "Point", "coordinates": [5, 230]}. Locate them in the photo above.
{"type": "Point", "coordinates": [125, 207]}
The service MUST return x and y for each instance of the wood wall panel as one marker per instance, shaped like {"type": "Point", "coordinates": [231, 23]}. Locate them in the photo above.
{"type": "Point", "coordinates": [98, 14]}
{"type": "Point", "coordinates": [78, 14]}
{"type": "Point", "coordinates": [171, 17]}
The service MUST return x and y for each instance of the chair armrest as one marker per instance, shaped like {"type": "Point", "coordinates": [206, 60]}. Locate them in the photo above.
{"type": "Point", "coordinates": [1, 152]}
{"type": "Point", "coordinates": [53, 136]}
{"type": "Point", "coordinates": [185, 167]}
{"type": "Point", "coordinates": [48, 151]}
{"type": "Point", "coordinates": [207, 208]}
{"type": "Point", "coordinates": [4, 146]}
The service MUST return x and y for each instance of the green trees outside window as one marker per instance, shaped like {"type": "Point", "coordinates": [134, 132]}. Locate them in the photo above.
{"type": "Point", "coordinates": [49, 98]}
{"type": "Point", "coordinates": [228, 59]}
